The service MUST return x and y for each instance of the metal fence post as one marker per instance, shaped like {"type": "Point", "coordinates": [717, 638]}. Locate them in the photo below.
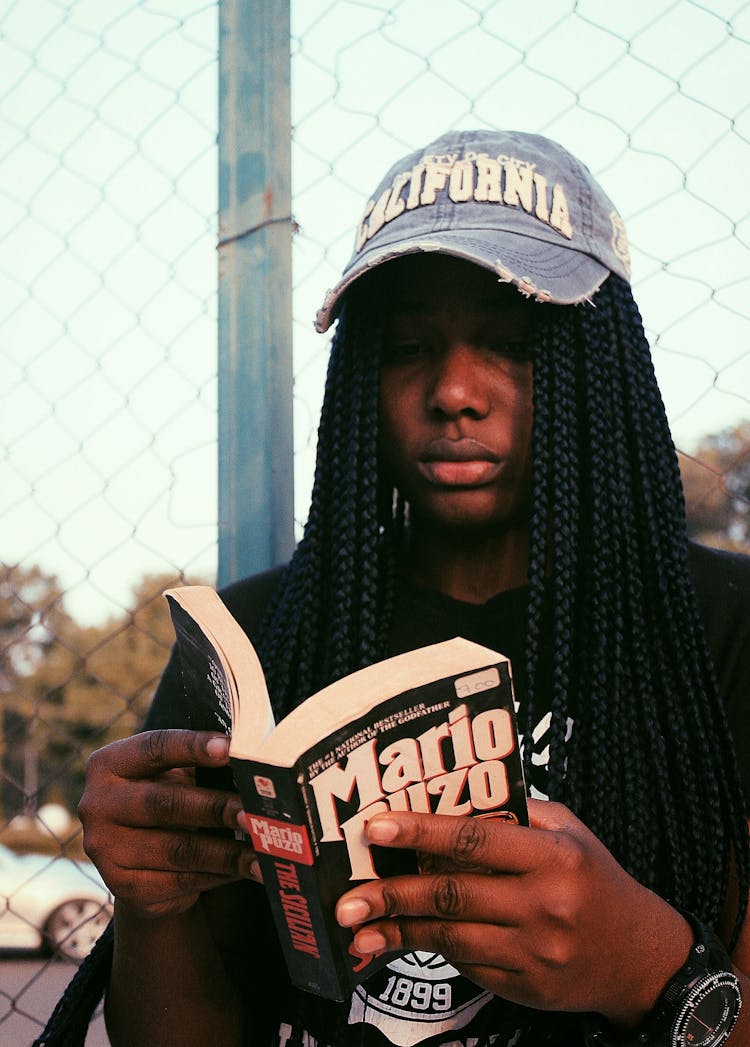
{"type": "Point", "coordinates": [255, 473]}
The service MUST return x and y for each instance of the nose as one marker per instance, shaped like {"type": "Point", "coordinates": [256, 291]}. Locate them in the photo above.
{"type": "Point", "coordinates": [457, 384]}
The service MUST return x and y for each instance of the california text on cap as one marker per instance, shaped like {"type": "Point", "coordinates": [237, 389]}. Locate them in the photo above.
{"type": "Point", "coordinates": [518, 204]}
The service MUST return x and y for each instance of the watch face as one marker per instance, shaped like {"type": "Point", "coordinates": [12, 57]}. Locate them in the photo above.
{"type": "Point", "coordinates": [708, 1014]}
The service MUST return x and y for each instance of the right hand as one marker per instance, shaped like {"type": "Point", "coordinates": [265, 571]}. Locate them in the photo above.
{"type": "Point", "coordinates": [142, 815]}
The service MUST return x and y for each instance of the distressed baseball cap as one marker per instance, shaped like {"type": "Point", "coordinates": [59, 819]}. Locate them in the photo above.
{"type": "Point", "coordinates": [518, 204]}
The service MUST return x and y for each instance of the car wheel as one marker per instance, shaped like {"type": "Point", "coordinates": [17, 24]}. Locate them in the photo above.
{"type": "Point", "coordinates": [74, 926]}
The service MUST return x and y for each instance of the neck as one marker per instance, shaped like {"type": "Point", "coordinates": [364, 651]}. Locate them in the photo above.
{"type": "Point", "coordinates": [468, 566]}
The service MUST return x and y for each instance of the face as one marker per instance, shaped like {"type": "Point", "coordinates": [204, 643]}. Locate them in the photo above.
{"type": "Point", "coordinates": [456, 393]}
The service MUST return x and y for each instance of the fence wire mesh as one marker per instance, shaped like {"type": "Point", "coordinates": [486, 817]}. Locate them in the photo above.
{"type": "Point", "coordinates": [108, 304]}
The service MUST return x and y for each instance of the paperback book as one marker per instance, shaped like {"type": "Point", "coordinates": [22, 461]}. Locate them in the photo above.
{"type": "Point", "coordinates": [432, 730]}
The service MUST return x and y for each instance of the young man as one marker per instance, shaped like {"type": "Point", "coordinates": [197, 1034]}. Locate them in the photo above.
{"type": "Point", "coordinates": [493, 461]}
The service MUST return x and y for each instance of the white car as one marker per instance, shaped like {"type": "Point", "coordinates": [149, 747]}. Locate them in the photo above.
{"type": "Point", "coordinates": [51, 903]}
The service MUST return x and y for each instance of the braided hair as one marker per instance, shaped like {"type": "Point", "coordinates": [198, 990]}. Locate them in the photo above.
{"type": "Point", "coordinates": [331, 614]}
{"type": "Point", "coordinates": [649, 766]}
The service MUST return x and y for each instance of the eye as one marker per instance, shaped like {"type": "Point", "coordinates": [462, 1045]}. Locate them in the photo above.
{"type": "Point", "coordinates": [512, 349]}
{"type": "Point", "coordinates": [403, 350]}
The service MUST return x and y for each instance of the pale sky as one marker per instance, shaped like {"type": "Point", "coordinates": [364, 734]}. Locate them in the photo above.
{"type": "Point", "coordinates": [108, 227]}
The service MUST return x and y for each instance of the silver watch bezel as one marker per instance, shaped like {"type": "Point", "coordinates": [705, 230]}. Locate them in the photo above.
{"type": "Point", "coordinates": [695, 994]}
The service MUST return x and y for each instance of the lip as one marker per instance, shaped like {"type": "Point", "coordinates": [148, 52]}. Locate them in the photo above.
{"type": "Point", "coordinates": [459, 463]}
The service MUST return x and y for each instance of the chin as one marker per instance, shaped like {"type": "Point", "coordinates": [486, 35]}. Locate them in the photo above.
{"type": "Point", "coordinates": [469, 512]}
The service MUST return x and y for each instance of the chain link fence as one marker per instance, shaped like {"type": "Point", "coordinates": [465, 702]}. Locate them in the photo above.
{"type": "Point", "coordinates": [108, 231]}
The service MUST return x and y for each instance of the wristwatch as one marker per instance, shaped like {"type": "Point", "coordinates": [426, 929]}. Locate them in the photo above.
{"type": "Point", "coordinates": [698, 1008]}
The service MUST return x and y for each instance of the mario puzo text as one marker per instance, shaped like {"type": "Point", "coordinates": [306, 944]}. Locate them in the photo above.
{"type": "Point", "coordinates": [455, 767]}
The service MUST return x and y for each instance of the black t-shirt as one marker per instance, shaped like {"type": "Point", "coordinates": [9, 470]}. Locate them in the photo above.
{"type": "Point", "coordinates": [419, 1000]}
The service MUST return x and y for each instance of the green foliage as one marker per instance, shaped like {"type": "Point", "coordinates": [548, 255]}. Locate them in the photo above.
{"type": "Point", "coordinates": [716, 479]}
{"type": "Point", "coordinates": [68, 689]}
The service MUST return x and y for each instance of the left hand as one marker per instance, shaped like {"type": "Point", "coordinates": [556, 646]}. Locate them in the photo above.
{"type": "Point", "coordinates": [550, 921]}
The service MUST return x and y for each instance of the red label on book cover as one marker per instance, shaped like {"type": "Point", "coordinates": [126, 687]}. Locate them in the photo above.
{"type": "Point", "coordinates": [281, 839]}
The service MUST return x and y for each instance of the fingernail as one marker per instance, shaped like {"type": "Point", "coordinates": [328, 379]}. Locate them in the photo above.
{"type": "Point", "coordinates": [232, 815]}
{"type": "Point", "coordinates": [368, 941]}
{"type": "Point", "coordinates": [249, 867]}
{"type": "Point", "coordinates": [217, 748]}
{"type": "Point", "coordinates": [352, 911]}
{"type": "Point", "coordinates": [382, 829]}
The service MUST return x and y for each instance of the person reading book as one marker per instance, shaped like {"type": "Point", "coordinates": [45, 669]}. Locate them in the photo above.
{"type": "Point", "coordinates": [493, 461]}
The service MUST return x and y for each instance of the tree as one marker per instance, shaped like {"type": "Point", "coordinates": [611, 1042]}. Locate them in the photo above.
{"type": "Point", "coordinates": [88, 686]}
{"type": "Point", "coordinates": [716, 479]}
{"type": "Point", "coordinates": [32, 619]}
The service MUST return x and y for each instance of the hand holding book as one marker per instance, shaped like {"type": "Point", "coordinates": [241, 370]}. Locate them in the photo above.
{"type": "Point", "coordinates": [554, 917]}
{"type": "Point", "coordinates": [157, 840]}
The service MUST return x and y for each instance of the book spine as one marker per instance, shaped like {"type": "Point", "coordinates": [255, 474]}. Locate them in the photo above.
{"type": "Point", "coordinates": [281, 836]}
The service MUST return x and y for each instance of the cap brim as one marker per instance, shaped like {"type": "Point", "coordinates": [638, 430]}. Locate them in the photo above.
{"type": "Point", "coordinates": [538, 268]}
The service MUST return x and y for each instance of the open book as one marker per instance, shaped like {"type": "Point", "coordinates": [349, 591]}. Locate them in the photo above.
{"type": "Point", "coordinates": [431, 730]}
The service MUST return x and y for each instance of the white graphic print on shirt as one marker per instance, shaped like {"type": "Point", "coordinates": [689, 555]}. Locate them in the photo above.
{"type": "Point", "coordinates": [417, 996]}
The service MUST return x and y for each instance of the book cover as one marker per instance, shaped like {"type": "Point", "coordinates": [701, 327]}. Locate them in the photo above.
{"type": "Point", "coordinates": [432, 730]}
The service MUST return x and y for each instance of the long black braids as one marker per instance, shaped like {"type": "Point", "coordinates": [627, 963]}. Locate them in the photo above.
{"type": "Point", "coordinates": [332, 610]}
{"type": "Point", "coordinates": [648, 765]}
{"type": "Point", "coordinates": [638, 737]}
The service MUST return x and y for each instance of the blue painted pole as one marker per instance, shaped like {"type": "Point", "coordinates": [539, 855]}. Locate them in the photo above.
{"type": "Point", "coordinates": [255, 474]}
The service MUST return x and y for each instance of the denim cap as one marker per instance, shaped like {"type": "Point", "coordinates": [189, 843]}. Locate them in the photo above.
{"type": "Point", "coordinates": [518, 204]}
